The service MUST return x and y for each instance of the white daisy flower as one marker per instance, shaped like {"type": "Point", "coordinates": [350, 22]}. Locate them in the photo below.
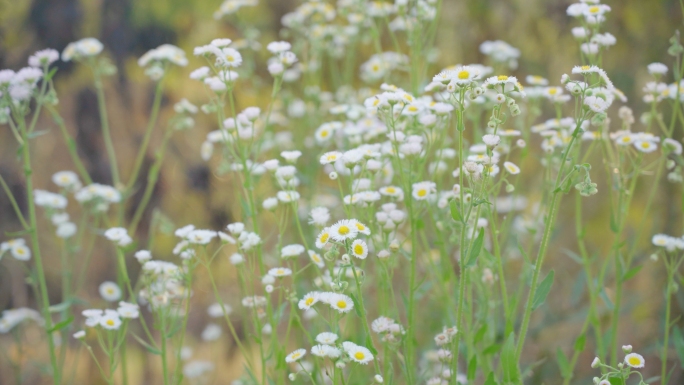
{"type": "Point", "coordinates": [645, 146]}
{"type": "Point", "coordinates": [290, 251]}
{"type": "Point", "coordinates": [323, 237]}
{"type": "Point", "coordinates": [309, 300]}
{"type": "Point", "coordinates": [512, 168]}
{"type": "Point", "coordinates": [110, 321]}
{"type": "Point", "coordinates": [359, 249]}
{"type": "Point", "coordinates": [316, 258]}
{"type": "Point", "coordinates": [295, 356]}
{"type": "Point", "coordinates": [110, 291]}
{"type": "Point", "coordinates": [635, 360]}
{"type": "Point", "coordinates": [344, 229]}
{"type": "Point", "coordinates": [326, 338]}
{"type": "Point", "coordinates": [280, 272]}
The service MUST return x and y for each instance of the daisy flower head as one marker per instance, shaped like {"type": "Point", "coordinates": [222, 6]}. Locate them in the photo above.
{"type": "Point", "coordinates": [657, 69]}
{"type": "Point", "coordinates": [291, 251]}
{"type": "Point", "coordinates": [295, 356]}
{"type": "Point", "coordinates": [535, 80]}
{"type": "Point", "coordinates": [319, 216]}
{"type": "Point", "coordinates": [19, 250]}
{"type": "Point", "coordinates": [662, 240]}
{"type": "Point", "coordinates": [359, 354]}
{"type": "Point", "coordinates": [110, 321]}
{"type": "Point", "coordinates": [316, 258]}
{"type": "Point", "coordinates": [463, 75]}
{"type": "Point", "coordinates": [512, 168]}
{"type": "Point", "coordinates": [423, 190]}
{"type": "Point", "coordinates": [635, 360]}
{"type": "Point", "coordinates": [645, 146]}
{"type": "Point", "coordinates": [323, 237]}
{"type": "Point", "coordinates": [326, 351]}
{"type": "Point", "coordinates": [596, 104]}
{"type": "Point", "coordinates": [443, 77]}
{"type": "Point", "coordinates": [309, 300]}
{"type": "Point", "coordinates": [280, 272]}
{"type": "Point", "coordinates": [340, 302]}
{"type": "Point", "coordinates": [359, 249]}
{"type": "Point", "coordinates": [343, 230]}
{"type": "Point", "coordinates": [201, 237]}
{"type": "Point", "coordinates": [330, 157]}
{"type": "Point", "coordinates": [110, 291]}
{"type": "Point", "coordinates": [363, 229]}
{"type": "Point", "coordinates": [326, 338]}
{"type": "Point", "coordinates": [585, 70]}
{"type": "Point", "coordinates": [391, 191]}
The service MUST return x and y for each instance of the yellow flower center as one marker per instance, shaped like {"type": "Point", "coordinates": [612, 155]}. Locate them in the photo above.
{"type": "Point", "coordinates": [422, 192]}
{"type": "Point", "coordinates": [463, 75]}
{"type": "Point", "coordinates": [342, 304]}
{"type": "Point", "coordinates": [20, 251]}
{"type": "Point", "coordinates": [391, 190]}
{"type": "Point", "coordinates": [110, 322]}
{"type": "Point", "coordinates": [324, 133]}
{"type": "Point", "coordinates": [332, 157]}
{"type": "Point", "coordinates": [324, 237]}
{"type": "Point", "coordinates": [552, 91]}
{"type": "Point", "coordinates": [593, 9]}
{"type": "Point", "coordinates": [645, 145]}
{"type": "Point", "coordinates": [344, 230]}
{"type": "Point", "coordinates": [585, 68]}
{"type": "Point", "coordinates": [360, 226]}
{"type": "Point", "coordinates": [359, 355]}
{"type": "Point", "coordinates": [280, 272]}
{"type": "Point", "coordinates": [626, 139]}
{"type": "Point", "coordinates": [358, 249]}
{"type": "Point", "coordinates": [502, 77]}
{"type": "Point", "coordinates": [634, 360]}
{"type": "Point", "coordinates": [309, 301]}
{"type": "Point", "coordinates": [376, 68]}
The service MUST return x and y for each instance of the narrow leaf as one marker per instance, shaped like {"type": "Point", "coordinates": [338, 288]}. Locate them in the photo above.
{"type": "Point", "coordinates": [563, 363]}
{"type": "Point", "coordinates": [631, 273]}
{"type": "Point", "coordinates": [543, 290]}
{"type": "Point", "coordinates": [509, 365]}
{"type": "Point", "coordinates": [472, 368]}
{"type": "Point", "coordinates": [61, 325]}
{"type": "Point", "coordinates": [455, 213]}
{"type": "Point", "coordinates": [475, 250]}
{"type": "Point", "coordinates": [490, 379]}
{"type": "Point", "coordinates": [147, 346]}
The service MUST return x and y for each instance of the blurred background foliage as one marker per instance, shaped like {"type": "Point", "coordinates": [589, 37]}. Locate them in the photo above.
{"type": "Point", "coordinates": [189, 191]}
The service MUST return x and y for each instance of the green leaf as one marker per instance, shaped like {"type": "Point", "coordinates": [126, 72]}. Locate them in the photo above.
{"type": "Point", "coordinates": [36, 134]}
{"type": "Point", "coordinates": [455, 213]}
{"type": "Point", "coordinates": [631, 273]}
{"type": "Point", "coordinates": [580, 342]}
{"type": "Point", "coordinates": [420, 224]}
{"type": "Point", "coordinates": [61, 325]}
{"type": "Point", "coordinates": [491, 349]}
{"type": "Point", "coordinates": [606, 300]}
{"type": "Point", "coordinates": [479, 334]}
{"type": "Point", "coordinates": [357, 307]}
{"type": "Point", "coordinates": [616, 380]}
{"type": "Point", "coordinates": [472, 368]}
{"type": "Point", "coordinates": [147, 346]}
{"type": "Point", "coordinates": [563, 364]}
{"type": "Point", "coordinates": [60, 307]}
{"type": "Point", "coordinates": [543, 290]}
{"type": "Point", "coordinates": [369, 345]}
{"type": "Point", "coordinates": [490, 379]}
{"type": "Point", "coordinates": [475, 250]}
{"type": "Point", "coordinates": [679, 344]}
{"type": "Point", "coordinates": [509, 364]}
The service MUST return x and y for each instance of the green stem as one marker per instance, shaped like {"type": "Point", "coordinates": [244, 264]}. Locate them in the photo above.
{"type": "Point", "coordinates": [148, 134]}
{"type": "Point", "coordinates": [550, 220]}
{"type": "Point", "coordinates": [106, 134]}
{"type": "Point", "coordinates": [45, 302]}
